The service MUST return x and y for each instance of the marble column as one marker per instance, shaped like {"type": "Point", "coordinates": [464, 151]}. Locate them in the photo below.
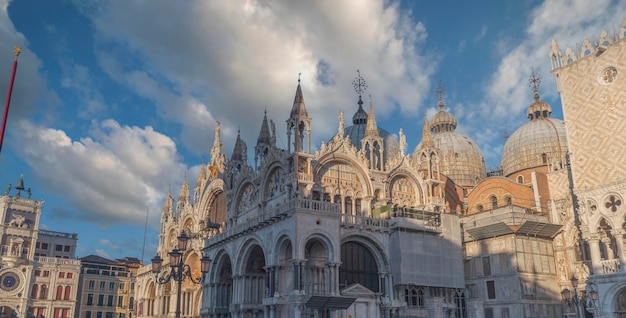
{"type": "Point", "coordinates": [618, 234]}
{"type": "Point", "coordinates": [594, 249]}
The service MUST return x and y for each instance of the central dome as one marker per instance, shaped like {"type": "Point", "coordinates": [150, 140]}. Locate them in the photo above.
{"type": "Point", "coordinates": [462, 161]}
{"type": "Point", "coordinates": [540, 142]}
{"type": "Point", "coordinates": [357, 131]}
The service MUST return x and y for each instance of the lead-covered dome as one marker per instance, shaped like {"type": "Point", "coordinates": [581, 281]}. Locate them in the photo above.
{"type": "Point", "coordinates": [357, 131]}
{"type": "Point", "coordinates": [461, 159]}
{"type": "Point", "coordinates": [540, 142]}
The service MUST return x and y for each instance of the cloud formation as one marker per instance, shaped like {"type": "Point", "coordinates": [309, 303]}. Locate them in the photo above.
{"type": "Point", "coordinates": [220, 59]}
{"type": "Point", "coordinates": [110, 178]}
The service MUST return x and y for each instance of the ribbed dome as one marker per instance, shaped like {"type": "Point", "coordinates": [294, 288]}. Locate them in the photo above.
{"type": "Point", "coordinates": [357, 132]}
{"type": "Point", "coordinates": [462, 161]}
{"type": "Point", "coordinates": [540, 142]}
{"type": "Point", "coordinates": [443, 121]}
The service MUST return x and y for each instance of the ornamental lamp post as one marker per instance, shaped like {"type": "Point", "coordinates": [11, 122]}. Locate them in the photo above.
{"type": "Point", "coordinates": [575, 299]}
{"type": "Point", "coordinates": [178, 269]}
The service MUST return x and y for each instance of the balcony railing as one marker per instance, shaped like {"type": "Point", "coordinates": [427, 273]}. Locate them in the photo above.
{"type": "Point", "coordinates": [610, 266]}
{"type": "Point", "coordinates": [57, 260]}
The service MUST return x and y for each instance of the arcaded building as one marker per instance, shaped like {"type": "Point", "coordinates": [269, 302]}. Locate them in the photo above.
{"type": "Point", "coordinates": [364, 227]}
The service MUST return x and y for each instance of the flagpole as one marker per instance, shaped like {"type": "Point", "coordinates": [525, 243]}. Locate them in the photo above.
{"type": "Point", "coordinates": [17, 52]}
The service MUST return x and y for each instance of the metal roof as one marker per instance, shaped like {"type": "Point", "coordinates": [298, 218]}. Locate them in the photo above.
{"type": "Point", "coordinates": [528, 228]}
{"type": "Point", "coordinates": [330, 302]}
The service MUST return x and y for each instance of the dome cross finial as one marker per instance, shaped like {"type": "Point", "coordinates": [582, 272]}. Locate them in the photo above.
{"type": "Point", "coordinates": [359, 84]}
{"type": "Point", "coordinates": [440, 92]}
{"type": "Point", "coordinates": [534, 82]}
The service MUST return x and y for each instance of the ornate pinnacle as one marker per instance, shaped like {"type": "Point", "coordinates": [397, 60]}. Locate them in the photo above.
{"type": "Point", "coordinates": [17, 50]}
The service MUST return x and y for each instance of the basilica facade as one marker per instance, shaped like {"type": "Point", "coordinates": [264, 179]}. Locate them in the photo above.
{"type": "Point", "coordinates": [364, 227]}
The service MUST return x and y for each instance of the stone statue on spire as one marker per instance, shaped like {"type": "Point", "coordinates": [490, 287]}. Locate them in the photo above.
{"type": "Point", "coordinates": [342, 123]}
{"type": "Point", "coordinates": [402, 142]}
{"type": "Point", "coordinates": [217, 159]}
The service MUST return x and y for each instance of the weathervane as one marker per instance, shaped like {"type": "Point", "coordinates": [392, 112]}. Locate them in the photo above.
{"type": "Point", "coordinates": [359, 84]}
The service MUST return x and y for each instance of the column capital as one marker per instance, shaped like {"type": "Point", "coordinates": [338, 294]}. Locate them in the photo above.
{"type": "Point", "coordinates": [616, 232]}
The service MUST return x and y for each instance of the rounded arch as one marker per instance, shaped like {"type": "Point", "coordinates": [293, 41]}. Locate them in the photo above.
{"type": "Point", "coordinates": [192, 259]}
{"type": "Point", "coordinates": [188, 224]}
{"type": "Point", "coordinates": [399, 191]}
{"type": "Point", "coordinates": [245, 251]}
{"type": "Point", "coordinates": [612, 295]}
{"type": "Point", "coordinates": [283, 248]}
{"type": "Point", "coordinates": [212, 203]}
{"type": "Point", "coordinates": [377, 249]}
{"type": "Point", "coordinates": [317, 234]}
{"type": "Point", "coordinates": [221, 278]}
{"type": "Point", "coordinates": [247, 197]}
{"type": "Point", "coordinates": [358, 265]}
{"type": "Point", "coordinates": [273, 181]}
{"type": "Point", "coordinates": [325, 163]}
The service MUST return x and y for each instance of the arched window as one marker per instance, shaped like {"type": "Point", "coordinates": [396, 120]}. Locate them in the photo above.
{"type": "Point", "coordinates": [508, 200]}
{"type": "Point", "coordinates": [544, 158]}
{"type": "Point", "coordinates": [420, 298]}
{"type": "Point", "coordinates": [347, 205]}
{"type": "Point", "coordinates": [479, 208]}
{"type": "Point", "coordinates": [406, 296]}
{"type": "Point", "coordinates": [520, 179]}
{"type": "Point", "coordinates": [337, 199]}
{"type": "Point", "coordinates": [357, 206]}
{"type": "Point", "coordinates": [68, 293]}
{"type": "Point", "coordinates": [413, 298]}
{"type": "Point", "coordinates": [494, 202]}
{"type": "Point", "coordinates": [33, 293]}
{"type": "Point", "coordinates": [59, 295]}
{"type": "Point", "coordinates": [44, 292]}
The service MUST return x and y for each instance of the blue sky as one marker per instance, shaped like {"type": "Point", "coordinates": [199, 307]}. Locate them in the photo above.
{"type": "Point", "coordinates": [116, 101]}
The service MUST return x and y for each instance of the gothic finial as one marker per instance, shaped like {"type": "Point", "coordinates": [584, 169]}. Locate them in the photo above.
{"type": "Point", "coordinates": [299, 78]}
{"type": "Point", "coordinates": [359, 84]}
{"type": "Point", "coordinates": [440, 92]}
{"type": "Point", "coordinates": [534, 82]}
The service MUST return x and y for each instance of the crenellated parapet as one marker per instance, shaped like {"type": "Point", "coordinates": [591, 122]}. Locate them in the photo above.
{"type": "Point", "coordinates": [598, 46]}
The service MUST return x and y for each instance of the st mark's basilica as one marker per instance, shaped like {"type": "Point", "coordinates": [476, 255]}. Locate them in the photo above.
{"type": "Point", "coordinates": [364, 227]}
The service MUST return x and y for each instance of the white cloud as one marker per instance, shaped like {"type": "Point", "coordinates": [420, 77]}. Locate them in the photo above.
{"type": "Point", "coordinates": [110, 178]}
{"type": "Point", "coordinates": [220, 59]}
{"type": "Point", "coordinates": [506, 94]}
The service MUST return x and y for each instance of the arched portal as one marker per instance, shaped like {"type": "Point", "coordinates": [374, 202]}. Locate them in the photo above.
{"type": "Point", "coordinates": [222, 291]}
{"type": "Point", "coordinates": [315, 268]}
{"type": "Point", "coordinates": [253, 277]}
{"type": "Point", "coordinates": [620, 304]}
{"type": "Point", "coordinates": [358, 265]}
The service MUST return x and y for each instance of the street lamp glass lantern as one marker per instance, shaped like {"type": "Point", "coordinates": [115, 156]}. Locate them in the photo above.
{"type": "Point", "coordinates": [594, 295]}
{"type": "Point", "coordinates": [175, 257]}
{"type": "Point", "coordinates": [205, 264]}
{"type": "Point", "coordinates": [565, 294]}
{"type": "Point", "coordinates": [157, 261]}
{"type": "Point", "coordinates": [182, 241]}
